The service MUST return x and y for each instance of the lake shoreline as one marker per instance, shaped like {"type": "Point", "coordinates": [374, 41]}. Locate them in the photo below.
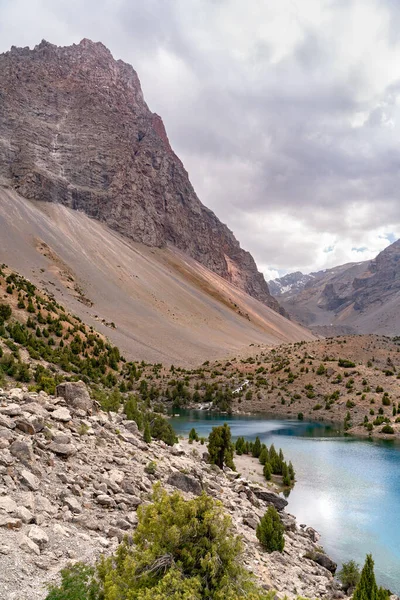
{"type": "Point", "coordinates": [357, 431]}
{"type": "Point", "coordinates": [348, 493]}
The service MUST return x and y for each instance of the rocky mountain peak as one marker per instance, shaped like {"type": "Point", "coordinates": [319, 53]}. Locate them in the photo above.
{"type": "Point", "coordinates": [75, 130]}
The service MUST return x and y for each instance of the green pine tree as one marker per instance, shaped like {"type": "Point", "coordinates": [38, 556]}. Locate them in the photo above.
{"type": "Point", "coordinates": [366, 588]}
{"type": "Point", "coordinates": [270, 531]}
{"type": "Point", "coordinates": [193, 437]}
{"type": "Point", "coordinates": [220, 447]}
{"type": "Point", "coordinates": [267, 471]}
{"type": "Point", "coordinates": [257, 448]}
{"type": "Point", "coordinates": [147, 433]}
{"type": "Point", "coordinates": [264, 456]}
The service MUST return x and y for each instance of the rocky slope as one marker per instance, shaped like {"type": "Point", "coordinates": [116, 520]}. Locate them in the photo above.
{"type": "Point", "coordinates": [164, 306]}
{"type": "Point", "coordinates": [72, 477]}
{"type": "Point", "coordinates": [75, 130]}
{"type": "Point", "coordinates": [353, 298]}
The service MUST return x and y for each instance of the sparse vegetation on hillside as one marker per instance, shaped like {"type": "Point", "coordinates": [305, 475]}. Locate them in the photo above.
{"type": "Point", "coordinates": [183, 550]}
{"type": "Point", "coordinates": [336, 379]}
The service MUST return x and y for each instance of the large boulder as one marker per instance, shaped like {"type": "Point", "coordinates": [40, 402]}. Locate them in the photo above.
{"type": "Point", "coordinates": [269, 497]}
{"type": "Point", "coordinates": [75, 394]}
{"type": "Point", "coordinates": [185, 483]}
{"type": "Point", "coordinates": [324, 561]}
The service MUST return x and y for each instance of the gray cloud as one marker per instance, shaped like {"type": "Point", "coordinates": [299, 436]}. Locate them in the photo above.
{"type": "Point", "coordinates": [287, 117]}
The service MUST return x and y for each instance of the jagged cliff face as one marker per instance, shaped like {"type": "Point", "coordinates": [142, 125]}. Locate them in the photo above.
{"type": "Point", "coordinates": [75, 129]}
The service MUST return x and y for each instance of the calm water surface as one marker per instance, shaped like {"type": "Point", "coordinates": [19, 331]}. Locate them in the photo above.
{"type": "Point", "coordinates": [348, 489]}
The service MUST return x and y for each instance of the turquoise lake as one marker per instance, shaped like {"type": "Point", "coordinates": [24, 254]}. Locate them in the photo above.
{"type": "Point", "coordinates": [347, 489]}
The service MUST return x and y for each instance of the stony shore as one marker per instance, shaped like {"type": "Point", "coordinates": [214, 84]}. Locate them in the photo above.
{"type": "Point", "coordinates": [71, 479]}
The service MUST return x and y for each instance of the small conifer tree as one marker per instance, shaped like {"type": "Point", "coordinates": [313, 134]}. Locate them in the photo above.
{"type": "Point", "coordinates": [146, 433]}
{"type": "Point", "coordinates": [366, 588]}
{"type": "Point", "coordinates": [193, 437]}
{"type": "Point", "coordinates": [267, 471]}
{"type": "Point", "coordinates": [257, 448]}
{"type": "Point", "coordinates": [270, 531]}
{"type": "Point", "coordinates": [220, 447]}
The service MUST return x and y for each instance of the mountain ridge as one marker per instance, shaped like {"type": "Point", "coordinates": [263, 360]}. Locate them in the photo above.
{"type": "Point", "coordinates": [361, 297]}
{"type": "Point", "coordinates": [75, 130]}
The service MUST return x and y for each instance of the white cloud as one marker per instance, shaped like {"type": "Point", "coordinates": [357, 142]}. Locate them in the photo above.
{"type": "Point", "coordinates": [286, 114]}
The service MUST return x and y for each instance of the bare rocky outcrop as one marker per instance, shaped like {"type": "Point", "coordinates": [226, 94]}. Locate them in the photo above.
{"type": "Point", "coordinates": [57, 508]}
{"type": "Point", "coordinates": [75, 129]}
{"type": "Point", "coordinates": [75, 395]}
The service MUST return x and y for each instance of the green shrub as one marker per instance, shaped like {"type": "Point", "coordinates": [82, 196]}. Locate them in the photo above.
{"type": "Point", "coordinates": [346, 364]}
{"type": "Point", "coordinates": [5, 312]}
{"type": "Point", "coordinates": [183, 550]}
{"type": "Point", "coordinates": [387, 429]}
{"type": "Point", "coordinates": [161, 429]}
{"type": "Point", "coordinates": [151, 468]}
{"type": "Point", "coordinates": [349, 575]}
{"type": "Point", "coordinates": [77, 583]}
{"type": "Point", "coordinates": [270, 531]}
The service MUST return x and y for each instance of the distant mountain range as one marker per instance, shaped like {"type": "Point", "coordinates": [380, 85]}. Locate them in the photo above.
{"type": "Point", "coordinates": [353, 298]}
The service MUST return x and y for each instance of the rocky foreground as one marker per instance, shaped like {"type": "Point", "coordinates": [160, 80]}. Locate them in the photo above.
{"type": "Point", "coordinates": [72, 478]}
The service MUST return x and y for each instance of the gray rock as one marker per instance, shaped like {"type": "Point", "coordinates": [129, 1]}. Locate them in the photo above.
{"type": "Point", "coordinates": [269, 497]}
{"type": "Point", "coordinates": [11, 410]}
{"type": "Point", "coordinates": [6, 459]}
{"type": "Point", "coordinates": [24, 514]}
{"type": "Point", "coordinates": [60, 530]}
{"type": "Point", "coordinates": [7, 504]}
{"type": "Point", "coordinates": [76, 395]}
{"type": "Point", "coordinates": [43, 504]}
{"type": "Point", "coordinates": [73, 504]}
{"type": "Point", "coordinates": [62, 449]}
{"type": "Point", "coordinates": [22, 451]}
{"type": "Point", "coordinates": [324, 561]}
{"type": "Point", "coordinates": [16, 394]}
{"type": "Point", "coordinates": [29, 546]}
{"type": "Point", "coordinates": [105, 500]}
{"type": "Point", "coordinates": [185, 483]}
{"type": "Point", "coordinates": [30, 480]}
{"type": "Point", "coordinates": [37, 535]}
{"type": "Point", "coordinates": [25, 426]}
{"type": "Point", "coordinates": [131, 426]}
{"type": "Point", "coordinates": [61, 414]}
{"type": "Point", "coordinates": [6, 422]}
{"type": "Point", "coordinates": [10, 523]}
{"type": "Point", "coordinates": [123, 524]}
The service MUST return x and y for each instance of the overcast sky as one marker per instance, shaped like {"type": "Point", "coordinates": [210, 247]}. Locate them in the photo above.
{"type": "Point", "coordinates": [286, 113]}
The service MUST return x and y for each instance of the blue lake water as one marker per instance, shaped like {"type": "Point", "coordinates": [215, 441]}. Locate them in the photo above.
{"type": "Point", "coordinates": [347, 489]}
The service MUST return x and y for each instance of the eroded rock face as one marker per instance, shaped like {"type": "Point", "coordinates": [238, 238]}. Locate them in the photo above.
{"type": "Point", "coordinates": [75, 129]}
